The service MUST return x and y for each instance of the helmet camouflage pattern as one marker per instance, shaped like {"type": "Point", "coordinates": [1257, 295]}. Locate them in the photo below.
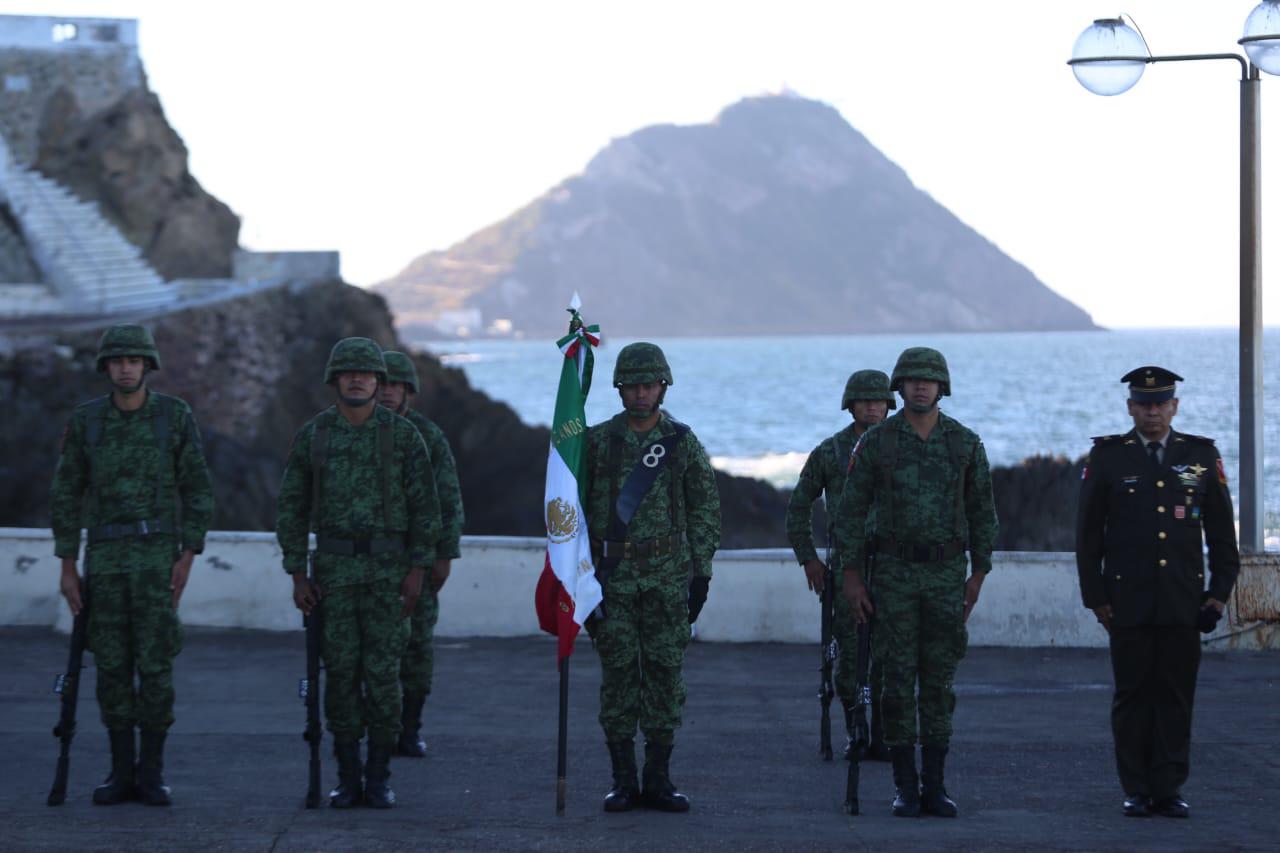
{"type": "Point", "coordinates": [126, 340]}
{"type": "Point", "coordinates": [867, 385]}
{"type": "Point", "coordinates": [922, 363]}
{"type": "Point", "coordinates": [400, 369]}
{"type": "Point", "coordinates": [355, 354]}
{"type": "Point", "coordinates": [639, 363]}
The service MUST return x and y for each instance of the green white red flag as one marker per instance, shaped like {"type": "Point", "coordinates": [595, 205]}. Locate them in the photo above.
{"type": "Point", "coordinates": [567, 590]}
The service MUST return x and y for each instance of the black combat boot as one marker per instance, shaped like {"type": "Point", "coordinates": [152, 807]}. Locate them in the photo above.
{"type": "Point", "coordinates": [151, 787]}
{"type": "Point", "coordinates": [348, 792]}
{"type": "Point", "coordinates": [377, 770]}
{"type": "Point", "coordinates": [907, 802]}
{"type": "Point", "coordinates": [410, 744]}
{"type": "Point", "coordinates": [933, 796]}
{"type": "Point", "coordinates": [626, 790]}
{"type": "Point", "coordinates": [119, 785]}
{"type": "Point", "coordinates": [659, 791]}
{"type": "Point", "coordinates": [877, 751]}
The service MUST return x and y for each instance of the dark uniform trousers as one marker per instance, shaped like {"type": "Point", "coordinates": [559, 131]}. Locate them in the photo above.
{"type": "Point", "coordinates": [1155, 671]}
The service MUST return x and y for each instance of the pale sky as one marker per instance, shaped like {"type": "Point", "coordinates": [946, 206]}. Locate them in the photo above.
{"type": "Point", "coordinates": [386, 130]}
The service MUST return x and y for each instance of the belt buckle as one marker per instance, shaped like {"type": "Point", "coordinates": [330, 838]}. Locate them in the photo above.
{"type": "Point", "coordinates": [626, 550]}
{"type": "Point", "coordinates": [360, 548]}
{"type": "Point", "coordinates": [143, 529]}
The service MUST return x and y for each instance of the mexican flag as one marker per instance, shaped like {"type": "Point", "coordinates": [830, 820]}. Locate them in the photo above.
{"type": "Point", "coordinates": [568, 591]}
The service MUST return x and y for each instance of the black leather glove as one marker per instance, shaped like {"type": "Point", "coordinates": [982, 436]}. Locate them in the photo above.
{"type": "Point", "coordinates": [1209, 616]}
{"type": "Point", "coordinates": [698, 587]}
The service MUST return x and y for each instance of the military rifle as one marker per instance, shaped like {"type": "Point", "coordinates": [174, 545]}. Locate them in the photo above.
{"type": "Point", "coordinates": [862, 700]}
{"type": "Point", "coordinates": [830, 649]}
{"type": "Point", "coordinates": [67, 686]}
{"type": "Point", "coordinates": [309, 691]}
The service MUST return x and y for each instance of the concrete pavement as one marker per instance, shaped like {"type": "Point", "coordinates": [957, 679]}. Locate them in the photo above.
{"type": "Point", "coordinates": [1031, 763]}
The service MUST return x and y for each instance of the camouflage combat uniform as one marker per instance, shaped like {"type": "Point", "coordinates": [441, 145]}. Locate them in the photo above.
{"type": "Point", "coordinates": [417, 663]}
{"type": "Point", "coordinates": [675, 528]}
{"type": "Point", "coordinates": [378, 517]}
{"type": "Point", "coordinates": [142, 505]}
{"type": "Point", "coordinates": [932, 502]}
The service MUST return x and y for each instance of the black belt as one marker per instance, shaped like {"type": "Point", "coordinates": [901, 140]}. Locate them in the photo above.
{"type": "Point", "coordinates": [145, 527]}
{"type": "Point", "coordinates": [914, 552]}
{"type": "Point", "coordinates": [360, 547]}
{"type": "Point", "coordinates": [663, 546]}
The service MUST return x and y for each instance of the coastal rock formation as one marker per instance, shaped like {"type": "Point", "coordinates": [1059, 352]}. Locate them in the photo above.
{"type": "Point", "coordinates": [776, 218]}
{"type": "Point", "coordinates": [128, 160]}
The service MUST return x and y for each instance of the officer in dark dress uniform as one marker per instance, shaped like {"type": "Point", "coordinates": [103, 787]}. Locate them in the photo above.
{"type": "Point", "coordinates": [1149, 501]}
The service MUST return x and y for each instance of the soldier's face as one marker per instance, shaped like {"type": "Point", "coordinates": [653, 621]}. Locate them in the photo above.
{"type": "Point", "coordinates": [357, 388]}
{"type": "Point", "coordinates": [1153, 420]}
{"type": "Point", "coordinates": [869, 412]}
{"type": "Point", "coordinates": [393, 395]}
{"type": "Point", "coordinates": [921, 395]}
{"type": "Point", "coordinates": [126, 372]}
{"type": "Point", "coordinates": [642, 399]}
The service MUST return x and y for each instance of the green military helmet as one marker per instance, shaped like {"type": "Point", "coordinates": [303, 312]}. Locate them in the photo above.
{"type": "Point", "coordinates": [922, 363]}
{"type": "Point", "coordinates": [639, 363]}
{"type": "Point", "coordinates": [355, 354]}
{"type": "Point", "coordinates": [127, 339]}
{"type": "Point", "coordinates": [867, 385]}
{"type": "Point", "coordinates": [400, 368]}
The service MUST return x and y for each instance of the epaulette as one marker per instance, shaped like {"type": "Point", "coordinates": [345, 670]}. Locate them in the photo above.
{"type": "Point", "coordinates": [1198, 439]}
{"type": "Point", "coordinates": [1106, 440]}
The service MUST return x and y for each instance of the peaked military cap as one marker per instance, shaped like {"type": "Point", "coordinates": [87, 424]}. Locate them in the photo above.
{"type": "Point", "coordinates": [1151, 384]}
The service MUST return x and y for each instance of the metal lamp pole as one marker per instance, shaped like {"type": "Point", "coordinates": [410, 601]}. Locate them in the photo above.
{"type": "Point", "coordinates": [1108, 59]}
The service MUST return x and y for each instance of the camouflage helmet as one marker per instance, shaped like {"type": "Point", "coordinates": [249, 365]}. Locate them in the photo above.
{"type": "Point", "coordinates": [355, 354]}
{"type": "Point", "coordinates": [400, 369]}
{"type": "Point", "coordinates": [124, 340]}
{"type": "Point", "coordinates": [867, 385]}
{"type": "Point", "coordinates": [921, 363]}
{"type": "Point", "coordinates": [641, 362]}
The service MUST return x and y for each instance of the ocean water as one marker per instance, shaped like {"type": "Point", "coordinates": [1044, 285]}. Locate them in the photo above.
{"type": "Point", "coordinates": [759, 405]}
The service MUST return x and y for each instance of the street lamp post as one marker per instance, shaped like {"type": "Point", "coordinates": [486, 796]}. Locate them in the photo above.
{"type": "Point", "coordinates": [1108, 59]}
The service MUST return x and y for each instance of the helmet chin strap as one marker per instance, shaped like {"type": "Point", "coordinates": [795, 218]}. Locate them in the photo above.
{"type": "Point", "coordinates": [357, 402]}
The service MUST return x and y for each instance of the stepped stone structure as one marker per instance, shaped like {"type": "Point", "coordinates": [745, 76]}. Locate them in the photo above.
{"type": "Point", "coordinates": [66, 85]}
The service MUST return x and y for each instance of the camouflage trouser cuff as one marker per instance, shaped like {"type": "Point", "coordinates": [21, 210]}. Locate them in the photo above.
{"type": "Point", "coordinates": [660, 737]}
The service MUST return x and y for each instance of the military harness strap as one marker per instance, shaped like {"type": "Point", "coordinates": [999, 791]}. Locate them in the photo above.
{"type": "Point", "coordinates": [888, 543]}
{"type": "Point", "coordinates": [320, 458]}
{"type": "Point", "coordinates": [161, 427]}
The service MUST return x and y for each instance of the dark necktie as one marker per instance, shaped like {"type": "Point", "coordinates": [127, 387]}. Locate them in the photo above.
{"type": "Point", "coordinates": [1153, 450]}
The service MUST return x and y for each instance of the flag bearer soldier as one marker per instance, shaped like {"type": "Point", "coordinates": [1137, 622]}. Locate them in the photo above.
{"type": "Point", "coordinates": [868, 400]}
{"type": "Point", "coordinates": [415, 667]}
{"type": "Point", "coordinates": [132, 472]}
{"type": "Point", "coordinates": [1149, 502]}
{"type": "Point", "coordinates": [359, 475]}
{"type": "Point", "coordinates": [927, 478]}
{"type": "Point", "coordinates": [653, 511]}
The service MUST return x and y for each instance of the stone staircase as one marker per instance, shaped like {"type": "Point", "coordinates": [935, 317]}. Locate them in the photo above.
{"type": "Point", "coordinates": [82, 256]}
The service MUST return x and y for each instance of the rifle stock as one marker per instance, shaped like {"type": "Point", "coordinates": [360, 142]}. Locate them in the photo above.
{"type": "Point", "coordinates": [309, 691]}
{"type": "Point", "coordinates": [67, 686]}
{"type": "Point", "coordinates": [861, 728]}
{"type": "Point", "coordinates": [826, 687]}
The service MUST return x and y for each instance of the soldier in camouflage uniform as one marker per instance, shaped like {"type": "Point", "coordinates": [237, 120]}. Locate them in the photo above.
{"type": "Point", "coordinates": [416, 665]}
{"type": "Point", "coordinates": [653, 511]}
{"type": "Point", "coordinates": [133, 473]}
{"type": "Point", "coordinates": [927, 478]}
{"type": "Point", "coordinates": [868, 399]}
{"type": "Point", "coordinates": [359, 475]}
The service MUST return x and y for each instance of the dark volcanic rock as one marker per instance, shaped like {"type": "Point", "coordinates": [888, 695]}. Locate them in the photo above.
{"type": "Point", "coordinates": [134, 165]}
{"type": "Point", "coordinates": [712, 229]}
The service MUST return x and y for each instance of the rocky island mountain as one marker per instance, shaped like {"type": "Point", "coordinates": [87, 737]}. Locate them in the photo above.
{"type": "Point", "coordinates": [776, 218]}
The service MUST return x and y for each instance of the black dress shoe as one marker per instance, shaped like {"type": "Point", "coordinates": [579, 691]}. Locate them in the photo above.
{"type": "Point", "coordinates": [1137, 805]}
{"type": "Point", "coordinates": [1173, 806]}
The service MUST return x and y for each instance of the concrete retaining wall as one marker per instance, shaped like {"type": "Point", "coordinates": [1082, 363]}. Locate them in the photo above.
{"type": "Point", "coordinates": [1030, 599]}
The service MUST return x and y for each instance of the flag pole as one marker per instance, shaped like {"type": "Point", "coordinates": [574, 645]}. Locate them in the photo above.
{"type": "Point", "coordinates": [562, 753]}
